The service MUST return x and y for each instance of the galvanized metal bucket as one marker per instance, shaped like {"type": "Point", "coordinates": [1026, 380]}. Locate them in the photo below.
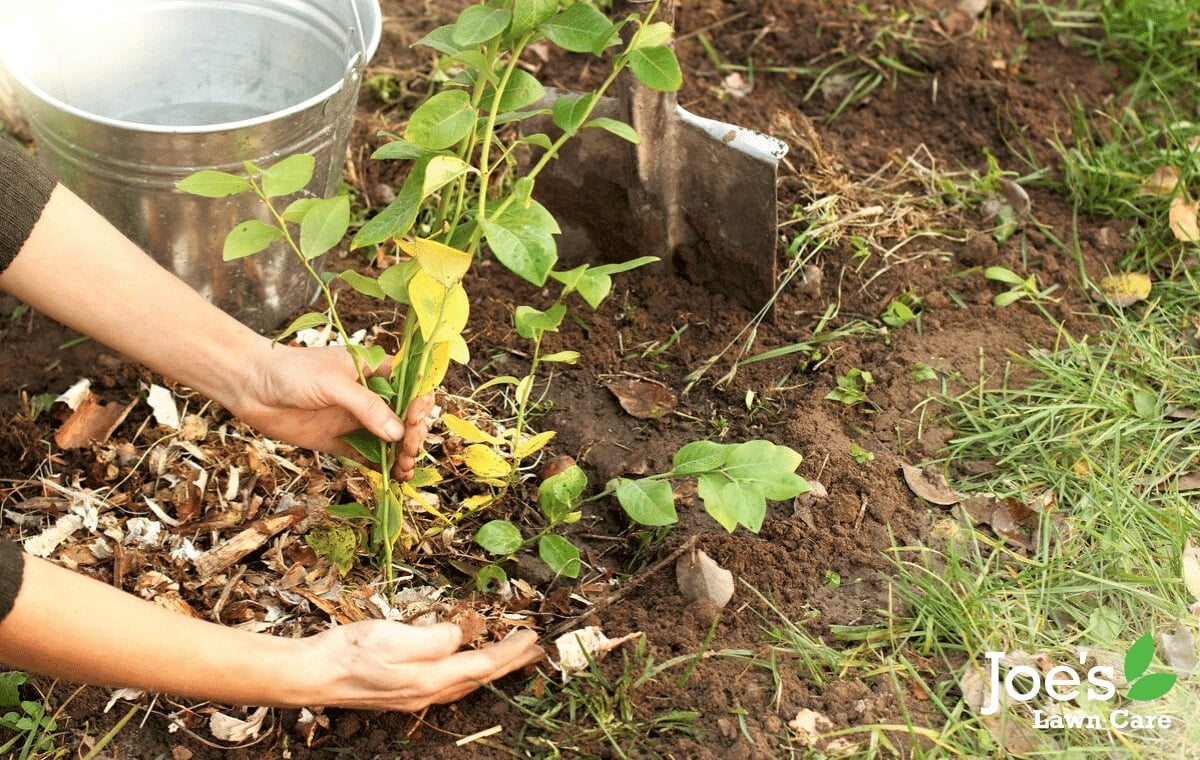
{"type": "Point", "coordinates": [127, 97]}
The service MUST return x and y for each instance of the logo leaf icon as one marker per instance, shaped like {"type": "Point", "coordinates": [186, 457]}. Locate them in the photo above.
{"type": "Point", "coordinates": [1138, 658]}
{"type": "Point", "coordinates": [1152, 686]}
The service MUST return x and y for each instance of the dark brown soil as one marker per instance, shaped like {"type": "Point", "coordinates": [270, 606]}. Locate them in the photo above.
{"type": "Point", "coordinates": [982, 91]}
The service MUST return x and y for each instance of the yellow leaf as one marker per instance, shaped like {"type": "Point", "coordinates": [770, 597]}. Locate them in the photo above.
{"type": "Point", "coordinates": [423, 477]}
{"type": "Point", "coordinates": [427, 296]}
{"type": "Point", "coordinates": [528, 446]}
{"type": "Point", "coordinates": [468, 431]}
{"type": "Point", "coordinates": [1183, 219]}
{"type": "Point", "coordinates": [441, 170]}
{"type": "Point", "coordinates": [1126, 289]}
{"type": "Point", "coordinates": [439, 362]}
{"type": "Point", "coordinates": [1163, 181]}
{"type": "Point", "coordinates": [1081, 468]}
{"type": "Point", "coordinates": [441, 262]}
{"type": "Point", "coordinates": [477, 502]}
{"type": "Point", "coordinates": [485, 462]}
{"type": "Point", "coordinates": [459, 351]}
{"type": "Point", "coordinates": [456, 309]}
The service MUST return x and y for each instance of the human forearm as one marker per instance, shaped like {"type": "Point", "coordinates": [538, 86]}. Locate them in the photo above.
{"type": "Point", "coordinates": [69, 626]}
{"type": "Point", "coordinates": [78, 269]}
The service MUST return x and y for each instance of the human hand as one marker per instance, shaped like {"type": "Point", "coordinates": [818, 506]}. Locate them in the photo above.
{"type": "Point", "coordinates": [311, 396]}
{"type": "Point", "coordinates": [384, 665]}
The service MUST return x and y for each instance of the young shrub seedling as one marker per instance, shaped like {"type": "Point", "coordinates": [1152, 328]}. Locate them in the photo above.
{"type": "Point", "coordinates": [852, 387]}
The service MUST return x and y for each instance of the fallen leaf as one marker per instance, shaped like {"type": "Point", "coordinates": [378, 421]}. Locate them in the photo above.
{"type": "Point", "coordinates": [929, 484]}
{"type": "Point", "coordinates": [642, 398]}
{"type": "Point", "coordinates": [577, 649]}
{"type": "Point", "coordinates": [1173, 412]}
{"type": "Point", "coordinates": [1188, 481]}
{"type": "Point", "coordinates": [1125, 289]}
{"type": "Point", "coordinates": [75, 395]}
{"type": "Point", "coordinates": [700, 577]}
{"type": "Point", "coordinates": [91, 421]}
{"type": "Point", "coordinates": [131, 695]}
{"type": "Point", "coordinates": [308, 723]}
{"type": "Point", "coordinates": [1178, 650]}
{"type": "Point", "coordinates": [235, 730]}
{"type": "Point", "coordinates": [1016, 197]}
{"type": "Point", "coordinates": [973, 686]}
{"type": "Point", "coordinates": [1191, 569]}
{"type": "Point", "coordinates": [44, 544]}
{"type": "Point", "coordinates": [162, 406]}
{"type": "Point", "coordinates": [1010, 517]}
{"type": "Point", "coordinates": [1163, 181]}
{"type": "Point", "coordinates": [1183, 219]}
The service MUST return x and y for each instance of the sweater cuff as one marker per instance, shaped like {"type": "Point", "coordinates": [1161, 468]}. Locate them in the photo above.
{"type": "Point", "coordinates": [25, 188]}
{"type": "Point", "coordinates": [12, 569]}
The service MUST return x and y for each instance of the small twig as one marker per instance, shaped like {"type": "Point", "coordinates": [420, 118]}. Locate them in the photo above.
{"type": "Point", "coordinates": [479, 735]}
{"type": "Point", "coordinates": [225, 592]}
{"type": "Point", "coordinates": [622, 592]}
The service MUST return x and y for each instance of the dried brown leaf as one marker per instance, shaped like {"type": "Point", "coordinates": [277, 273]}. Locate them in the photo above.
{"type": "Point", "coordinates": [1183, 219]}
{"type": "Point", "coordinates": [1016, 197]}
{"type": "Point", "coordinates": [1163, 181]}
{"type": "Point", "coordinates": [700, 577]}
{"type": "Point", "coordinates": [576, 649]}
{"type": "Point", "coordinates": [91, 421]}
{"type": "Point", "coordinates": [642, 398]}
{"type": "Point", "coordinates": [1191, 569]}
{"type": "Point", "coordinates": [1178, 650]}
{"type": "Point", "coordinates": [929, 484]}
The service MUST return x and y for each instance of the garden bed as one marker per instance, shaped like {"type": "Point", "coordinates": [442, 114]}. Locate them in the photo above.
{"type": "Point", "coordinates": [895, 181]}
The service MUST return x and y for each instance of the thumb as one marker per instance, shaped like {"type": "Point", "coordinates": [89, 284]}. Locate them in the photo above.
{"type": "Point", "coordinates": [368, 408]}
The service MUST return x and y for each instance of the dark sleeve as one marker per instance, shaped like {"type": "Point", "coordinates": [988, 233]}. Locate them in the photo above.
{"type": "Point", "coordinates": [12, 568]}
{"type": "Point", "coordinates": [24, 189]}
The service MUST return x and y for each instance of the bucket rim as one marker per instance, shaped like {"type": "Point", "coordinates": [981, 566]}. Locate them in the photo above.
{"type": "Point", "coordinates": [372, 20]}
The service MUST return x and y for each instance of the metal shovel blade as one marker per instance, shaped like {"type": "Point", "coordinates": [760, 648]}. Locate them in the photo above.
{"type": "Point", "coordinates": [701, 194]}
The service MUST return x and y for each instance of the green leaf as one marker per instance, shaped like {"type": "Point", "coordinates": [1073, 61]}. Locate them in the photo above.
{"type": "Point", "coordinates": [523, 191]}
{"type": "Point", "coordinates": [625, 266]}
{"type": "Point", "coordinates": [618, 128]}
{"type": "Point", "coordinates": [580, 29]}
{"type": "Point", "coordinates": [381, 388]}
{"type": "Point", "coordinates": [558, 493]}
{"type": "Point", "coordinates": [297, 209]}
{"type": "Point", "coordinates": [1152, 686]}
{"type": "Point", "coordinates": [1145, 404]}
{"type": "Point", "coordinates": [561, 556]}
{"type": "Point", "coordinates": [324, 225]}
{"type": "Point", "coordinates": [530, 256]}
{"type": "Point", "coordinates": [399, 149]}
{"type": "Point", "coordinates": [440, 171]}
{"type": "Point", "coordinates": [562, 357]}
{"type": "Point", "coordinates": [213, 184]}
{"type": "Point", "coordinates": [1138, 658]}
{"type": "Point", "coordinates": [1008, 297]}
{"type": "Point", "coordinates": [745, 504]}
{"type": "Point", "coordinates": [499, 537]}
{"type": "Point", "coordinates": [10, 683]}
{"type": "Point", "coordinates": [478, 24]}
{"type": "Point", "coordinates": [492, 574]}
{"type": "Point", "coordinates": [304, 322]}
{"type": "Point", "coordinates": [248, 238]}
{"type": "Point", "coordinates": [531, 322]}
{"type": "Point", "coordinates": [657, 68]}
{"type": "Point", "coordinates": [653, 35]}
{"type": "Point", "coordinates": [394, 280]}
{"type": "Point", "coordinates": [371, 357]}
{"type": "Point", "coordinates": [368, 286]}
{"type": "Point", "coordinates": [351, 511]}
{"type": "Point", "coordinates": [523, 89]}
{"type": "Point", "coordinates": [1000, 274]}
{"type": "Point", "coordinates": [700, 456]}
{"type": "Point", "coordinates": [441, 39]}
{"type": "Point", "coordinates": [647, 502]}
{"type": "Point", "coordinates": [441, 121]}
{"type": "Point", "coordinates": [769, 469]}
{"type": "Point", "coordinates": [527, 14]}
{"type": "Point", "coordinates": [365, 443]}
{"type": "Point", "coordinates": [399, 216]}
{"type": "Point", "coordinates": [570, 112]}
{"type": "Point", "coordinates": [710, 487]}
{"type": "Point", "coordinates": [291, 175]}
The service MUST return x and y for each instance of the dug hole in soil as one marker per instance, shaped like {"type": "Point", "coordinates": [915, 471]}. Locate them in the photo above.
{"type": "Point", "coordinates": [977, 91]}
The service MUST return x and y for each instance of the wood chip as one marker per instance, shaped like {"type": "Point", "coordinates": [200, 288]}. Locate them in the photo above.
{"type": "Point", "coordinates": [221, 557]}
{"type": "Point", "coordinates": [91, 421]}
